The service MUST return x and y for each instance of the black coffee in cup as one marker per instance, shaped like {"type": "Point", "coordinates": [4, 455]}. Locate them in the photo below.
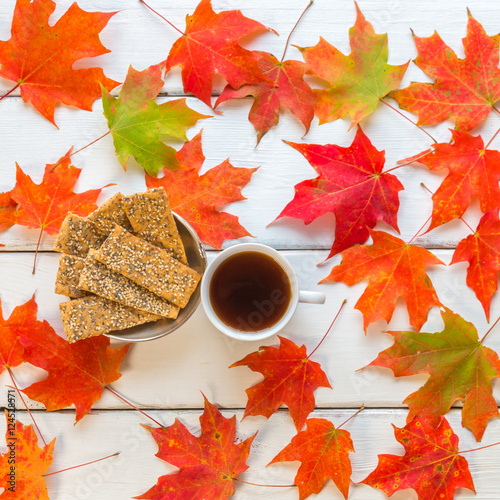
{"type": "Point", "coordinates": [250, 291]}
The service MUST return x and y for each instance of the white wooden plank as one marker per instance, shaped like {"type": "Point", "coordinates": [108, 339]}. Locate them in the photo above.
{"type": "Point", "coordinates": [138, 37]}
{"type": "Point", "coordinates": [170, 372]}
{"type": "Point", "coordinates": [32, 143]}
{"type": "Point", "coordinates": [136, 469]}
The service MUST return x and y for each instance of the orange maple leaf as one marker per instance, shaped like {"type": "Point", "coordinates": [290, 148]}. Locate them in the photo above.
{"type": "Point", "coordinates": [31, 463]}
{"type": "Point", "coordinates": [22, 321]}
{"type": "Point", "coordinates": [482, 251]}
{"type": "Point", "coordinates": [197, 197]}
{"type": "Point", "coordinates": [45, 205]}
{"type": "Point", "coordinates": [210, 45]}
{"type": "Point", "coordinates": [7, 211]}
{"type": "Point", "coordinates": [473, 171]}
{"type": "Point", "coordinates": [290, 378]}
{"type": "Point", "coordinates": [465, 89]}
{"type": "Point", "coordinates": [78, 373]}
{"type": "Point", "coordinates": [431, 465]}
{"type": "Point", "coordinates": [393, 269]}
{"type": "Point", "coordinates": [40, 57]}
{"type": "Point", "coordinates": [208, 464]}
{"type": "Point", "coordinates": [285, 88]}
{"type": "Point", "coordinates": [323, 452]}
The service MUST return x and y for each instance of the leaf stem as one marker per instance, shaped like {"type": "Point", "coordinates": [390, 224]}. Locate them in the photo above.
{"type": "Point", "coordinates": [329, 328]}
{"type": "Point", "coordinates": [406, 118]}
{"type": "Point", "coordinates": [425, 153]}
{"type": "Point", "coordinates": [265, 485]}
{"type": "Point", "coordinates": [81, 465]}
{"type": "Point", "coordinates": [491, 140]}
{"type": "Point", "coordinates": [9, 92]}
{"type": "Point", "coordinates": [164, 18]}
{"type": "Point", "coordinates": [78, 150]}
{"type": "Point", "coordinates": [36, 251]}
{"type": "Point", "coordinates": [133, 406]}
{"type": "Point", "coordinates": [25, 405]}
{"type": "Point", "coordinates": [418, 232]}
{"type": "Point", "coordinates": [491, 328]}
{"type": "Point", "coordinates": [293, 29]}
{"type": "Point", "coordinates": [352, 416]}
{"type": "Point", "coordinates": [481, 448]}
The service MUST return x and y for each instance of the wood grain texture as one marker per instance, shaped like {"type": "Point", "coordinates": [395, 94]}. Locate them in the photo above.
{"type": "Point", "coordinates": [166, 377]}
{"type": "Point", "coordinates": [136, 469]}
{"type": "Point", "coordinates": [168, 362]}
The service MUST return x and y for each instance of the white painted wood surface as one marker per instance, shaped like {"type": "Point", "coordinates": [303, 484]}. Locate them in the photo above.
{"type": "Point", "coordinates": [166, 376]}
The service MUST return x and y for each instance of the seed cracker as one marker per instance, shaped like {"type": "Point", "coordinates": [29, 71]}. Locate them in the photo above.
{"type": "Point", "coordinates": [91, 316]}
{"type": "Point", "coordinates": [68, 275]}
{"type": "Point", "coordinates": [98, 279]}
{"type": "Point", "coordinates": [148, 266]}
{"type": "Point", "coordinates": [151, 219]}
{"type": "Point", "coordinates": [111, 212]}
{"type": "Point", "coordinates": [77, 235]}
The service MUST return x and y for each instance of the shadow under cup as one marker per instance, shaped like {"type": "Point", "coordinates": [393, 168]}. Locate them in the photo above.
{"type": "Point", "coordinates": [249, 291]}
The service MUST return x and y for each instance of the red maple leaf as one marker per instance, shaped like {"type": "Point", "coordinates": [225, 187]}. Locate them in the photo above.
{"type": "Point", "coordinates": [208, 464]}
{"type": "Point", "coordinates": [324, 453]}
{"type": "Point", "coordinates": [210, 45]}
{"type": "Point", "coordinates": [40, 57]}
{"type": "Point", "coordinates": [290, 378]}
{"type": "Point", "coordinates": [197, 197]}
{"type": "Point", "coordinates": [22, 321]}
{"type": "Point", "coordinates": [460, 369]}
{"type": "Point", "coordinates": [357, 82]}
{"type": "Point", "coordinates": [431, 465]}
{"type": "Point", "coordinates": [31, 463]}
{"type": "Point", "coordinates": [7, 210]}
{"type": "Point", "coordinates": [482, 251]}
{"type": "Point", "coordinates": [464, 89]}
{"type": "Point", "coordinates": [78, 373]}
{"type": "Point", "coordinates": [350, 184]}
{"type": "Point", "coordinates": [393, 269]}
{"type": "Point", "coordinates": [45, 205]}
{"type": "Point", "coordinates": [285, 88]}
{"type": "Point", "coordinates": [473, 171]}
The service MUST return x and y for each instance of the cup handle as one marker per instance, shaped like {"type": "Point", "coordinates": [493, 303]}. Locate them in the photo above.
{"type": "Point", "coordinates": [312, 297]}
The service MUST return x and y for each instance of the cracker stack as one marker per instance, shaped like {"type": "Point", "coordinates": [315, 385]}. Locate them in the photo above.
{"type": "Point", "coordinates": [123, 266]}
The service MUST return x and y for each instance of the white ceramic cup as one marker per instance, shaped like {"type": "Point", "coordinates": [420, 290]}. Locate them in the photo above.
{"type": "Point", "coordinates": [296, 294]}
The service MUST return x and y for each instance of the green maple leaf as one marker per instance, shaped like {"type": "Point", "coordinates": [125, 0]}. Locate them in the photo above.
{"type": "Point", "coordinates": [138, 124]}
{"type": "Point", "coordinates": [358, 81]}
{"type": "Point", "coordinates": [460, 368]}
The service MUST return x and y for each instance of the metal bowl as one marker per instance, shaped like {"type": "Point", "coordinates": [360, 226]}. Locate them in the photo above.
{"type": "Point", "coordinates": [197, 260]}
